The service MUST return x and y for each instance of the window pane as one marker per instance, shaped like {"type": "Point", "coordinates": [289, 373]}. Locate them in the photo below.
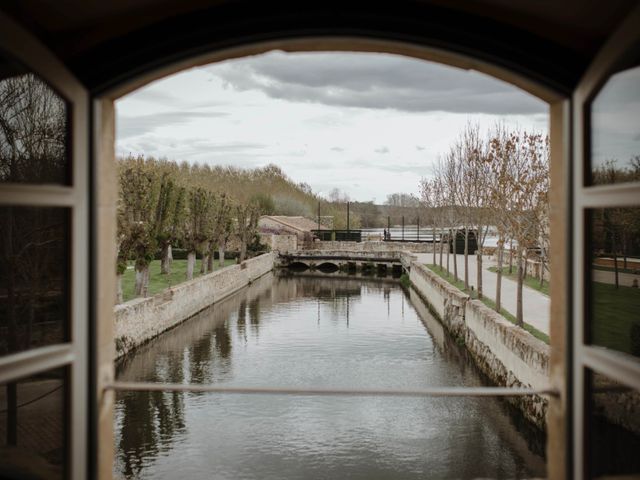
{"type": "Point", "coordinates": [613, 416]}
{"type": "Point", "coordinates": [33, 426]}
{"type": "Point", "coordinates": [615, 130]}
{"type": "Point", "coordinates": [615, 274]}
{"type": "Point", "coordinates": [34, 270]}
{"type": "Point", "coordinates": [33, 128]}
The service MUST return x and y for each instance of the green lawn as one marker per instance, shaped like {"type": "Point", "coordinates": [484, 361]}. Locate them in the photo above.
{"type": "Point", "coordinates": [616, 317]}
{"type": "Point", "coordinates": [157, 281]}
{"type": "Point", "coordinates": [488, 302]}
{"type": "Point", "coordinates": [529, 281]}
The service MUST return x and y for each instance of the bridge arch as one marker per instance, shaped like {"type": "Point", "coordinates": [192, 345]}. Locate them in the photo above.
{"type": "Point", "coordinates": [328, 267]}
{"type": "Point", "coordinates": [298, 266]}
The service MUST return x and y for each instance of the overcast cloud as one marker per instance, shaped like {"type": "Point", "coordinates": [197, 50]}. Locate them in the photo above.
{"type": "Point", "coordinates": [376, 81]}
{"type": "Point", "coordinates": [369, 124]}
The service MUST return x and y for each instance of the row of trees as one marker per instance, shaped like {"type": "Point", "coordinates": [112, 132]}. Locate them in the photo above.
{"type": "Point", "coordinates": [158, 209]}
{"type": "Point", "coordinates": [499, 181]}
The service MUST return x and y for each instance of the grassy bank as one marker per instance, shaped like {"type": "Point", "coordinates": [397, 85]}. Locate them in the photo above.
{"type": "Point", "coordinates": [157, 281]}
{"type": "Point", "coordinates": [529, 281]}
{"type": "Point", "coordinates": [616, 322]}
{"type": "Point", "coordinates": [442, 273]}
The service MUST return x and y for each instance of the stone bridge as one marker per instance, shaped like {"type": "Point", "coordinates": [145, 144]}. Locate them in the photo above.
{"type": "Point", "coordinates": [349, 260]}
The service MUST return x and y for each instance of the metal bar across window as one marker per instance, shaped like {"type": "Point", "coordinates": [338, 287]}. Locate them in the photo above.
{"type": "Point", "coordinates": [358, 392]}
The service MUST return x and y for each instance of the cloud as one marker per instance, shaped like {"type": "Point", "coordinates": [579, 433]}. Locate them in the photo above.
{"type": "Point", "coordinates": [382, 150]}
{"type": "Point", "coordinates": [337, 149]}
{"type": "Point", "coordinates": [132, 126]}
{"type": "Point", "coordinates": [419, 148]}
{"type": "Point", "coordinates": [375, 81]}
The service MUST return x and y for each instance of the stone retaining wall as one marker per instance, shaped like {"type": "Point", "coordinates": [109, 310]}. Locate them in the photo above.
{"type": "Point", "coordinates": [141, 319]}
{"type": "Point", "coordinates": [507, 354]}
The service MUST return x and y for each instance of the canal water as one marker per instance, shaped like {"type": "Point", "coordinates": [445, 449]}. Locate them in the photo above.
{"type": "Point", "coordinates": [297, 332]}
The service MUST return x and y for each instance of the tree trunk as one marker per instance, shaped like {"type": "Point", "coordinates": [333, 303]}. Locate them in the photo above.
{"type": "Point", "coordinates": [243, 251]}
{"type": "Point", "coordinates": [142, 280]}
{"type": "Point", "coordinates": [139, 280]}
{"type": "Point", "coordinates": [119, 293]}
{"type": "Point", "coordinates": [145, 287]}
{"type": "Point", "coordinates": [221, 255]}
{"type": "Point", "coordinates": [519, 314]}
{"type": "Point", "coordinates": [541, 272]}
{"type": "Point", "coordinates": [210, 259]}
{"type": "Point", "coordinates": [433, 243]}
{"type": "Point", "coordinates": [499, 276]}
{"type": "Point", "coordinates": [510, 257]}
{"type": "Point", "coordinates": [165, 259]}
{"type": "Point", "coordinates": [466, 258]}
{"type": "Point", "coordinates": [441, 248]}
{"type": "Point", "coordinates": [455, 255]}
{"type": "Point", "coordinates": [191, 264]}
{"type": "Point", "coordinates": [448, 251]}
{"type": "Point", "coordinates": [479, 267]}
{"type": "Point", "coordinates": [615, 265]}
{"type": "Point", "coordinates": [204, 263]}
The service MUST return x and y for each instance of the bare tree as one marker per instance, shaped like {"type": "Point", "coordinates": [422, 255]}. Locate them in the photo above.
{"type": "Point", "coordinates": [476, 179]}
{"type": "Point", "coordinates": [33, 131]}
{"type": "Point", "coordinates": [521, 162]}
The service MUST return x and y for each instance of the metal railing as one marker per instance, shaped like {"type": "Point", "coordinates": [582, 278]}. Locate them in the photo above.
{"type": "Point", "coordinates": [357, 392]}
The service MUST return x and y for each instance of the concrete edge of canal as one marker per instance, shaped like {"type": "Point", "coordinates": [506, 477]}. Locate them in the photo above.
{"type": "Point", "coordinates": [142, 319]}
{"type": "Point", "coordinates": [507, 354]}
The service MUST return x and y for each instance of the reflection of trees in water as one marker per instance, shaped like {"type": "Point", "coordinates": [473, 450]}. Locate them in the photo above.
{"type": "Point", "coordinates": [254, 316]}
{"type": "Point", "coordinates": [150, 420]}
{"type": "Point", "coordinates": [33, 270]}
{"type": "Point", "coordinates": [200, 353]}
{"type": "Point", "coordinates": [223, 341]}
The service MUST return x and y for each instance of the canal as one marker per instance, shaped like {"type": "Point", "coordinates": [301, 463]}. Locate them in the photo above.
{"type": "Point", "coordinates": [300, 331]}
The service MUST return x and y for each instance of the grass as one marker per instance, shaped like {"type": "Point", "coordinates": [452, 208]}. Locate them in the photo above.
{"type": "Point", "coordinates": [616, 317]}
{"type": "Point", "coordinates": [159, 282]}
{"type": "Point", "coordinates": [612, 269]}
{"type": "Point", "coordinates": [529, 281]}
{"type": "Point", "coordinates": [442, 273]}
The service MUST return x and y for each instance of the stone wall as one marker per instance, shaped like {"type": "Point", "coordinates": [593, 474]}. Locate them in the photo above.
{"type": "Point", "coordinates": [373, 246]}
{"type": "Point", "coordinates": [507, 354]}
{"type": "Point", "coordinates": [282, 243]}
{"type": "Point", "coordinates": [141, 319]}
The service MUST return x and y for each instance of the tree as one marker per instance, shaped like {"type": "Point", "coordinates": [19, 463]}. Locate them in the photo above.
{"type": "Point", "coordinates": [169, 215]}
{"type": "Point", "coordinates": [520, 162]}
{"type": "Point", "coordinates": [198, 225]}
{"type": "Point", "coordinates": [247, 225]}
{"type": "Point", "coordinates": [139, 199]}
{"type": "Point", "coordinates": [33, 132]}
{"type": "Point", "coordinates": [476, 182]}
{"type": "Point", "coordinates": [223, 215]}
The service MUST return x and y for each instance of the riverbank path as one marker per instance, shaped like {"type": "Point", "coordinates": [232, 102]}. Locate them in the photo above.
{"type": "Point", "coordinates": [536, 306]}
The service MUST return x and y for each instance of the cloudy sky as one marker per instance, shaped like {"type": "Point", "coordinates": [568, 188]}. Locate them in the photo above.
{"type": "Point", "coordinates": [368, 124]}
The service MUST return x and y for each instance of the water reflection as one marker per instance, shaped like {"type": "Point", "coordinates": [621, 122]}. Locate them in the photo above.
{"type": "Point", "coordinates": [34, 270]}
{"type": "Point", "coordinates": [295, 332]}
{"type": "Point", "coordinates": [615, 276]}
{"type": "Point", "coordinates": [33, 128]}
{"type": "Point", "coordinates": [614, 426]}
{"type": "Point", "coordinates": [615, 122]}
